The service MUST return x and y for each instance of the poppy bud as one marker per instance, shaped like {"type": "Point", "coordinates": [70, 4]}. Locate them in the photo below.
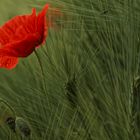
{"type": "Point", "coordinates": [22, 127]}
{"type": "Point", "coordinates": [10, 121]}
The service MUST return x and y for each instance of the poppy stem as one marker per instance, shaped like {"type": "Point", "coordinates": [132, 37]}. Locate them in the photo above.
{"type": "Point", "coordinates": [3, 101]}
{"type": "Point", "coordinates": [43, 75]}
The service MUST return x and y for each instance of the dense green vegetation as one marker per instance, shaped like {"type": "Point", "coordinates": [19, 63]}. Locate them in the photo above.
{"type": "Point", "coordinates": [83, 84]}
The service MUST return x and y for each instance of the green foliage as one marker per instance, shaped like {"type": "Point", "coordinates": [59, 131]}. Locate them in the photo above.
{"type": "Point", "coordinates": [82, 84]}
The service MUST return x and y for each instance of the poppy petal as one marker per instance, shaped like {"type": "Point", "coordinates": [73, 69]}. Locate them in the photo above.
{"type": "Point", "coordinates": [8, 62]}
{"type": "Point", "coordinates": [27, 21]}
{"type": "Point", "coordinates": [42, 28]}
{"type": "Point", "coordinates": [11, 26]}
{"type": "Point", "coordinates": [21, 35]}
{"type": "Point", "coordinates": [21, 48]}
{"type": "Point", "coordinates": [4, 38]}
{"type": "Point", "coordinates": [30, 23]}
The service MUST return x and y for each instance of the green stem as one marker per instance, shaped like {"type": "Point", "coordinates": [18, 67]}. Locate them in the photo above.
{"type": "Point", "coordinates": [43, 75]}
{"type": "Point", "coordinates": [1, 100]}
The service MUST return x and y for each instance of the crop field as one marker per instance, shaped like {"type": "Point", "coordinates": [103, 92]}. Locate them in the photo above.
{"type": "Point", "coordinates": [71, 71]}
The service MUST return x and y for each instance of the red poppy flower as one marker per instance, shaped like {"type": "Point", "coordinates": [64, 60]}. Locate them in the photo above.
{"type": "Point", "coordinates": [20, 36]}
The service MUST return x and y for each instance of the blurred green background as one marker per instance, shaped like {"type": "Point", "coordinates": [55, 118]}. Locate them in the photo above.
{"type": "Point", "coordinates": [12, 8]}
{"type": "Point", "coordinates": [83, 84]}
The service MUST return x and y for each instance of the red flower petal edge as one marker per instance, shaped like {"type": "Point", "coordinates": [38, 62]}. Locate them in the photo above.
{"type": "Point", "coordinates": [21, 35]}
{"type": "Point", "coordinates": [8, 62]}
